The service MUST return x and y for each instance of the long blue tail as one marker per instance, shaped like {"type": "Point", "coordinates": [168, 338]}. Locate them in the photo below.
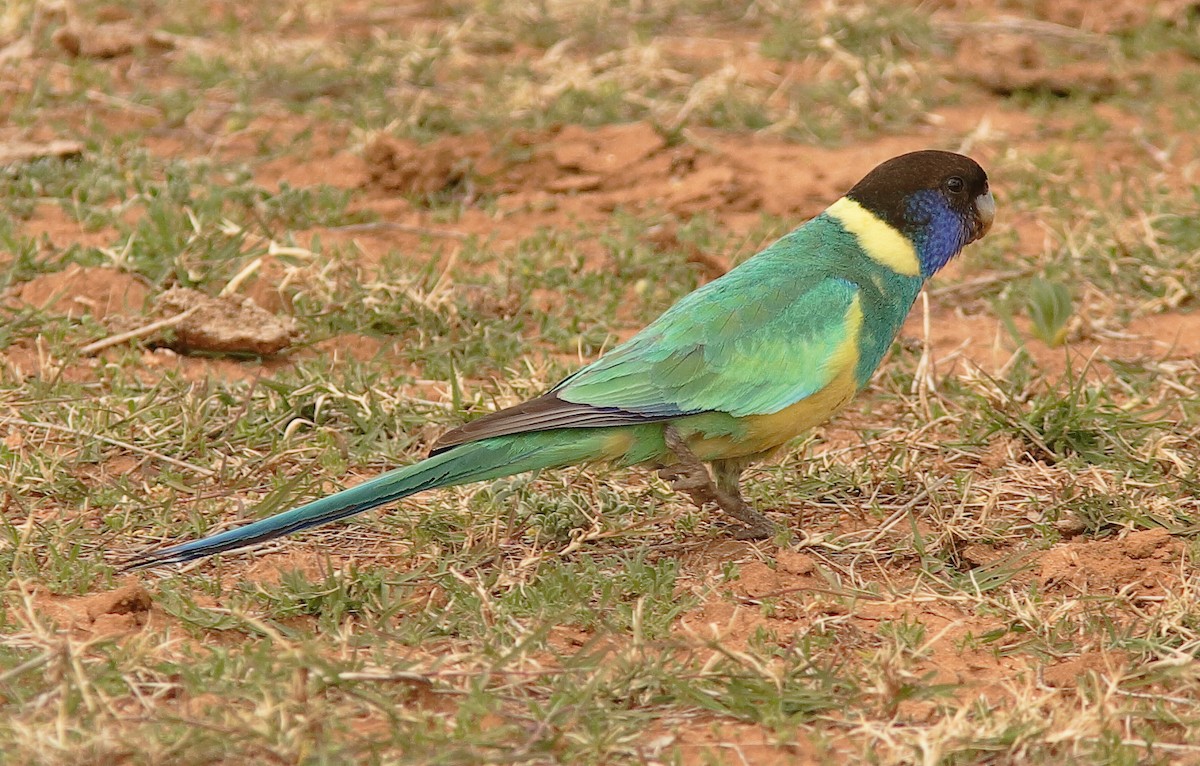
{"type": "Point", "coordinates": [476, 461]}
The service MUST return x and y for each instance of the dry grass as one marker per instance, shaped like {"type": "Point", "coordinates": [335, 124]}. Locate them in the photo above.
{"type": "Point", "coordinates": [990, 558]}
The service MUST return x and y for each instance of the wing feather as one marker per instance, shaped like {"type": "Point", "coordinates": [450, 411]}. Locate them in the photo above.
{"type": "Point", "coordinates": [768, 334]}
{"type": "Point", "coordinates": [544, 413]}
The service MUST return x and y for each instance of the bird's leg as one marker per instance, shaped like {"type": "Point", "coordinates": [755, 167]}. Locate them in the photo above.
{"type": "Point", "coordinates": [692, 478]}
{"type": "Point", "coordinates": [728, 474]}
{"type": "Point", "coordinates": [689, 475]}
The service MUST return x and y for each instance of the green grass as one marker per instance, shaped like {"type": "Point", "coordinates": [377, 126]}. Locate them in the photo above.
{"type": "Point", "coordinates": [965, 577]}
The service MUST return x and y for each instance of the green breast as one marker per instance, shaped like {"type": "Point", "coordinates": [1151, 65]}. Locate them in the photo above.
{"type": "Point", "coordinates": [886, 295]}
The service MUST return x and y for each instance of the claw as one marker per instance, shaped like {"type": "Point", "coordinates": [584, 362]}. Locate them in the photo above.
{"type": "Point", "coordinates": [755, 532]}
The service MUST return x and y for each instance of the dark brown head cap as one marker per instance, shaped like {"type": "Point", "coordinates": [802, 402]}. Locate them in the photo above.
{"type": "Point", "coordinates": [887, 191]}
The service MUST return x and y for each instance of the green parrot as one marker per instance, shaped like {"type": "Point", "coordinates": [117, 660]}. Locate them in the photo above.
{"type": "Point", "coordinates": [727, 375]}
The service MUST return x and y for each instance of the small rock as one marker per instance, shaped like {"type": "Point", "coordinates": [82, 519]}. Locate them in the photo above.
{"type": "Point", "coordinates": [225, 325]}
{"type": "Point", "coordinates": [1070, 526]}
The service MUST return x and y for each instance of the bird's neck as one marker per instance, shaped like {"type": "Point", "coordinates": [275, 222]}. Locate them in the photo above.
{"type": "Point", "coordinates": [879, 240]}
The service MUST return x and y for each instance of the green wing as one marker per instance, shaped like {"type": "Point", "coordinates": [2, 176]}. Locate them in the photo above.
{"type": "Point", "coordinates": [751, 344]}
{"type": "Point", "coordinates": [766, 335]}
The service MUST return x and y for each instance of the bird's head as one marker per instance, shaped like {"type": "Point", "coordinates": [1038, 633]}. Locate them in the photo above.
{"type": "Point", "coordinates": [939, 201]}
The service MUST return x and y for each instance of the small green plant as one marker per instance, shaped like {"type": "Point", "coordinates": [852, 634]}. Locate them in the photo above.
{"type": "Point", "coordinates": [1075, 418]}
{"type": "Point", "coordinates": [944, 596]}
{"type": "Point", "coordinates": [1049, 307]}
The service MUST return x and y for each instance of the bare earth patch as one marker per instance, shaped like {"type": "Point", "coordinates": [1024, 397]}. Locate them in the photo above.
{"type": "Point", "coordinates": [332, 231]}
{"type": "Point", "coordinates": [85, 290]}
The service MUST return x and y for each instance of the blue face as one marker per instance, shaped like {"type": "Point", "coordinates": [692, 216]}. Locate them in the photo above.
{"type": "Point", "coordinates": [937, 230]}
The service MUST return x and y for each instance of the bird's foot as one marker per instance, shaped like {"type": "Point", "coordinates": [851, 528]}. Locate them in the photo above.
{"type": "Point", "coordinates": [760, 529]}
{"type": "Point", "coordinates": [690, 477]}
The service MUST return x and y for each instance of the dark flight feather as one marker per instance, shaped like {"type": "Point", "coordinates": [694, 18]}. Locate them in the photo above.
{"type": "Point", "coordinates": [544, 413]}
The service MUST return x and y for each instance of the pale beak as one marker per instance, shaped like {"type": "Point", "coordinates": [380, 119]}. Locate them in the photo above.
{"type": "Point", "coordinates": [985, 208]}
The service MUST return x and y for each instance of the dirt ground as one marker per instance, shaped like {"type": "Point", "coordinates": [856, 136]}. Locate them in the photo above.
{"type": "Point", "coordinates": [841, 573]}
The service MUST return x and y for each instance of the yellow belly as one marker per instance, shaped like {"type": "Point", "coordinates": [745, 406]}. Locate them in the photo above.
{"type": "Point", "coordinates": [763, 433]}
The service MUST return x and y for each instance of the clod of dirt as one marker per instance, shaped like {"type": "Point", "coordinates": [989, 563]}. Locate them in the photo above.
{"type": "Point", "coordinates": [794, 562]}
{"type": "Point", "coordinates": [118, 611]}
{"type": "Point", "coordinates": [409, 168]}
{"type": "Point", "coordinates": [1000, 452]}
{"type": "Point", "coordinates": [106, 41]}
{"type": "Point", "coordinates": [1151, 542]}
{"type": "Point", "coordinates": [12, 152]}
{"type": "Point", "coordinates": [83, 290]}
{"type": "Point", "coordinates": [224, 325]}
{"type": "Point", "coordinates": [130, 599]}
{"type": "Point", "coordinates": [630, 164]}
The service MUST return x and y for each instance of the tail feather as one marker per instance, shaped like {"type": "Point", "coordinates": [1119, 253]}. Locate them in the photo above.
{"type": "Point", "coordinates": [476, 461]}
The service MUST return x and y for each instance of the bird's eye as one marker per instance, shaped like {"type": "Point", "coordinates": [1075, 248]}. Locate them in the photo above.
{"type": "Point", "coordinates": [955, 185]}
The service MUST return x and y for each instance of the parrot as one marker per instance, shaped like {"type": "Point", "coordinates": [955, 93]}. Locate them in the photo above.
{"type": "Point", "coordinates": [724, 377]}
